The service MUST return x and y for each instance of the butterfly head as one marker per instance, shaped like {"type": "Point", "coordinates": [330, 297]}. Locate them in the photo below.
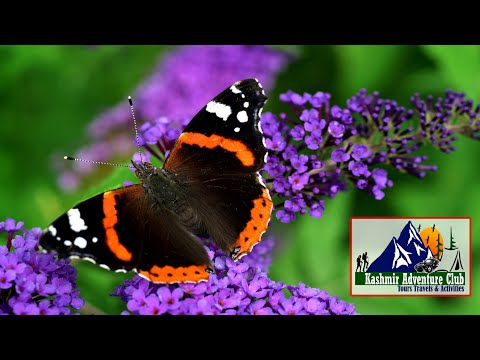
{"type": "Point", "coordinates": [144, 170]}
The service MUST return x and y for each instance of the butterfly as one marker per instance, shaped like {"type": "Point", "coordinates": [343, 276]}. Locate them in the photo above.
{"type": "Point", "coordinates": [208, 186]}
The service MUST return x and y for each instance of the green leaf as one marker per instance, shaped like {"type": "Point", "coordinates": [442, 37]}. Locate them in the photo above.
{"type": "Point", "coordinates": [366, 66]}
{"type": "Point", "coordinates": [458, 65]}
{"type": "Point", "coordinates": [314, 251]}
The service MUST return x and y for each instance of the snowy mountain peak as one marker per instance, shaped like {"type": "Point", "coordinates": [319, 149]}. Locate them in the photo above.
{"type": "Point", "coordinates": [402, 253]}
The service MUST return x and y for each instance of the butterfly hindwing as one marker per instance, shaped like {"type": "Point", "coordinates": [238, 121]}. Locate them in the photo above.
{"type": "Point", "coordinates": [236, 211]}
{"type": "Point", "coordinates": [124, 230]}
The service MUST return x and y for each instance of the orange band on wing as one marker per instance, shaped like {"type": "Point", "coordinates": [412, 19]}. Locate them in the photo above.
{"type": "Point", "coordinates": [169, 274]}
{"type": "Point", "coordinates": [244, 154]}
{"type": "Point", "coordinates": [260, 216]}
{"type": "Point", "coordinates": [109, 221]}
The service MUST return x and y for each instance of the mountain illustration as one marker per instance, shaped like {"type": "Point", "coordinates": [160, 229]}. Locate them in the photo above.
{"type": "Point", "coordinates": [402, 254]}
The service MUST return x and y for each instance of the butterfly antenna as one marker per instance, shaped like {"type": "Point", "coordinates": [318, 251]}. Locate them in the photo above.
{"type": "Point", "coordinates": [136, 129]}
{"type": "Point", "coordinates": [96, 162]}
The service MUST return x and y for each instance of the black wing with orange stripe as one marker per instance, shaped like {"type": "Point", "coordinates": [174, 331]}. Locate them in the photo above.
{"type": "Point", "coordinates": [120, 230]}
{"type": "Point", "coordinates": [219, 155]}
{"type": "Point", "coordinates": [229, 124]}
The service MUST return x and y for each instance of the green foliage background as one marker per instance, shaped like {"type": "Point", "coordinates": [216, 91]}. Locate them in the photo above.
{"type": "Point", "coordinates": [48, 95]}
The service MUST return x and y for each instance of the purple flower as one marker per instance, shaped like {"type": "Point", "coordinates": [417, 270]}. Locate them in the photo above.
{"type": "Point", "coordinates": [37, 283]}
{"type": "Point", "coordinates": [170, 298]}
{"type": "Point", "coordinates": [309, 116]}
{"type": "Point", "coordinates": [320, 99]}
{"type": "Point", "coordinates": [259, 308]}
{"type": "Point", "coordinates": [362, 184]}
{"type": "Point", "coordinates": [6, 278]}
{"type": "Point", "coordinates": [315, 127]}
{"type": "Point", "coordinates": [315, 306]}
{"type": "Point", "coordinates": [285, 216]}
{"type": "Point", "coordinates": [313, 142]}
{"type": "Point", "coordinates": [298, 132]}
{"type": "Point", "coordinates": [340, 307]}
{"type": "Point", "coordinates": [153, 306]}
{"type": "Point", "coordinates": [316, 209]}
{"type": "Point", "coordinates": [299, 163]}
{"type": "Point", "coordinates": [9, 225]}
{"type": "Point", "coordinates": [45, 308]}
{"type": "Point", "coordinates": [11, 262]}
{"type": "Point", "coordinates": [298, 181]}
{"type": "Point", "coordinates": [291, 307]}
{"type": "Point", "coordinates": [21, 308]}
{"type": "Point", "coordinates": [339, 155]}
{"type": "Point", "coordinates": [280, 185]}
{"type": "Point", "coordinates": [182, 82]}
{"type": "Point", "coordinates": [226, 299]}
{"type": "Point", "coordinates": [380, 177]}
{"type": "Point", "coordinates": [295, 204]}
{"type": "Point", "coordinates": [336, 129]}
{"type": "Point", "coordinates": [357, 168]}
{"type": "Point", "coordinates": [236, 288]}
{"type": "Point", "coordinates": [277, 143]}
{"type": "Point", "coordinates": [360, 151]}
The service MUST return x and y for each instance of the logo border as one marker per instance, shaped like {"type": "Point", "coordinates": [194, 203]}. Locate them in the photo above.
{"type": "Point", "coordinates": [469, 218]}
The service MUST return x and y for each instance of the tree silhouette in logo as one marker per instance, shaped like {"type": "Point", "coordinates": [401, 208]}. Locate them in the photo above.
{"type": "Point", "coordinates": [439, 252]}
{"type": "Point", "coordinates": [452, 243]}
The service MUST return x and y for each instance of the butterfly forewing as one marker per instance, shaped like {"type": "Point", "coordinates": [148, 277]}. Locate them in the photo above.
{"type": "Point", "coordinates": [219, 155]}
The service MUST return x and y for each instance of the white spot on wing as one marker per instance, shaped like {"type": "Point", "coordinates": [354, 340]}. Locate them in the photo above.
{"type": "Point", "coordinates": [67, 243]}
{"type": "Point", "coordinates": [121, 270]}
{"type": "Point", "coordinates": [74, 257]}
{"type": "Point", "coordinates": [242, 116]}
{"type": "Point", "coordinates": [58, 238]}
{"type": "Point", "coordinates": [94, 239]}
{"type": "Point", "coordinates": [52, 230]}
{"type": "Point", "coordinates": [89, 259]}
{"type": "Point", "coordinates": [237, 129]}
{"type": "Point", "coordinates": [77, 224]}
{"type": "Point", "coordinates": [243, 96]}
{"type": "Point", "coordinates": [235, 89]}
{"type": "Point", "coordinates": [80, 242]}
{"type": "Point", "coordinates": [103, 266]}
{"type": "Point", "coordinates": [221, 110]}
{"type": "Point", "coordinates": [245, 104]}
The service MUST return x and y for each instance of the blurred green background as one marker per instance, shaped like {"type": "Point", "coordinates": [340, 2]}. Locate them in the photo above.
{"type": "Point", "coordinates": [49, 94]}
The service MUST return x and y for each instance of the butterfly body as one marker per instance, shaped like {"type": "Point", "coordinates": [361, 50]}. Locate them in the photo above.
{"type": "Point", "coordinates": [209, 186]}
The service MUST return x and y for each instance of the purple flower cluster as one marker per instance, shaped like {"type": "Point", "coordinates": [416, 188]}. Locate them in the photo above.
{"type": "Point", "coordinates": [236, 288]}
{"type": "Point", "coordinates": [310, 158]}
{"type": "Point", "coordinates": [316, 150]}
{"type": "Point", "coordinates": [447, 116]}
{"type": "Point", "coordinates": [179, 86]}
{"type": "Point", "coordinates": [32, 283]}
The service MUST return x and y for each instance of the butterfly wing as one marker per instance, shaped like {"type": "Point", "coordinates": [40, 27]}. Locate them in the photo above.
{"type": "Point", "coordinates": [218, 156]}
{"type": "Point", "coordinates": [120, 230]}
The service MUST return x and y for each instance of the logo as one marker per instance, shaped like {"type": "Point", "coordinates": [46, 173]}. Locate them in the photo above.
{"type": "Point", "coordinates": [418, 256]}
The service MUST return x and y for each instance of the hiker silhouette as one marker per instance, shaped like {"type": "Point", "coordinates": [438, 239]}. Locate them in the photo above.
{"type": "Point", "coordinates": [365, 261]}
{"type": "Point", "coordinates": [359, 263]}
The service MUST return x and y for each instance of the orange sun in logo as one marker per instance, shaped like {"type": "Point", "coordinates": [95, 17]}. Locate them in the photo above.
{"type": "Point", "coordinates": [432, 238]}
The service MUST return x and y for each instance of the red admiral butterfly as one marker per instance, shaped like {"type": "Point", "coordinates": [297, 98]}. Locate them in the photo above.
{"type": "Point", "coordinates": [209, 185]}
